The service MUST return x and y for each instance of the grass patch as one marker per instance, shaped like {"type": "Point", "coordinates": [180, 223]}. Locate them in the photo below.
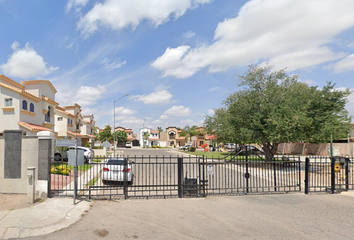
{"type": "Point", "coordinates": [92, 182]}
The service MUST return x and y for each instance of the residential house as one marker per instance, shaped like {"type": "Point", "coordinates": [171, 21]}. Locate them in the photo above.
{"type": "Point", "coordinates": [70, 124]}
{"type": "Point", "coordinates": [171, 137]}
{"type": "Point", "coordinates": [28, 106]}
{"type": "Point", "coordinates": [130, 135]}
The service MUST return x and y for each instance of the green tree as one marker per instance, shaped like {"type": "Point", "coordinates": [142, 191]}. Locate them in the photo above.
{"type": "Point", "coordinates": [106, 134]}
{"type": "Point", "coordinates": [120, 136]}
{"type": "Point", "coordinates": [188, 132]}
{"type": "Point", "coordinates": [273, 107]}
{"type": "Point", "coordinates": [160, 131]}
{"type": "Point", "coordinates": [146, 136]}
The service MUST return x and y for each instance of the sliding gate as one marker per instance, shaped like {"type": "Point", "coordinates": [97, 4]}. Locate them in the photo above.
{"type": "Point", "coordinates": [171, 176]}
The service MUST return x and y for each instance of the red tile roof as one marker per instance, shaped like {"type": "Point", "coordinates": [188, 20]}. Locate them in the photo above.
{"type": "Point", "coordinates": [34, 127]}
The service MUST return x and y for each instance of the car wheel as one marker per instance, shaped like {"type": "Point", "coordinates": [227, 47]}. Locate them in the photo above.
{"type": "Point", "coordinates": [104, 181]}
{"type": "Point", "coordinates": [86, 160]}
{"type": "Point", "coordinates": [57, 157]}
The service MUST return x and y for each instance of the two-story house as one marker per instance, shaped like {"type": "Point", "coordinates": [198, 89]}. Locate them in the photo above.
{"type": "Point", "coordinates": [28, 106]}
{"type": "Point", "coordinates": [70, 124]}
{"type": "Point", "coordinates": [129, 131]}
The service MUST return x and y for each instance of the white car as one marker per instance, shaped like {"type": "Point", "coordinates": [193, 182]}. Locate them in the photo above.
{"type": "Point", "coordinates": [128, 144]}
{"type": "Point", "coordinates": [114, 171]}
{"type": "Point", "coordinates": [88, 154]}
{"type": "Point", "coordinates": [185, 147]}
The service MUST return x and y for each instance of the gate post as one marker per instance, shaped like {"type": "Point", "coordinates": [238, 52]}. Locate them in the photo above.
{"type": "Point", "coordinates": [347, 173]}
{"type": "Point", "coordinates": [307, 168]}
{"type": "Point", "coordinates": [333, 175]}
{"type": "Point", "coordinates": [125, 178]}
{"type": "Point", "coordinates": [180, 177]}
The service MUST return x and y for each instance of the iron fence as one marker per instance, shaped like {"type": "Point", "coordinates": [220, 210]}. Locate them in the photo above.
{"type": "Point", "coordinates": [325, 174]}
{"type": "Point", "coordinates": [171, 176]}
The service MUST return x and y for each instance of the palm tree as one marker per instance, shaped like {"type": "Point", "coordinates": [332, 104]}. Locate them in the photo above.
{"type": "Point", "coordinates": [189, 132]}
{"type": "Point", "coordinates": [160, 130]}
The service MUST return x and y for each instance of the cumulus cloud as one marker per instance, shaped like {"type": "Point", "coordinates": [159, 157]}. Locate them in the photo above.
{"type": "Point", "coordinates": [122, 111]}
{"type": "Point", "coordinates": [284, 33]}
{"type": "Point", "coordinates": [87, 96]}
{"type": "Point", "coordinates": [162, 96]}
{"type": "Point", "coordinates": [178, 111]}
{"type": "Point", "coordinates": [26, 63]}
{"type": "Point", "coordinates": [345, 64]}
{"type": "Point", "coordinates": [118, 14]}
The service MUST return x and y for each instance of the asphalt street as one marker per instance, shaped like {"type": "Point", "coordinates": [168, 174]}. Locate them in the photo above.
{"type": "Point", "coordinates": [281, 216]}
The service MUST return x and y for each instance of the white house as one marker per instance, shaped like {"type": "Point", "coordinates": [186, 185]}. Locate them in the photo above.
{"type": "Point", "coordinates": [29, 106]}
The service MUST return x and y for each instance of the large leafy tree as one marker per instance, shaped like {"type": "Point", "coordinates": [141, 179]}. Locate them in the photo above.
{"type": "Point", "coordinates": [120, 136]}
{"type": "Point", "coordinates": [273, 107]}
{"type": "Point", "coordinates": [106, 134]}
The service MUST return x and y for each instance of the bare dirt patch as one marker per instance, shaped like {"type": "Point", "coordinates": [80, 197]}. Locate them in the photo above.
{"type": "Point", "coordinates": [10, 202]}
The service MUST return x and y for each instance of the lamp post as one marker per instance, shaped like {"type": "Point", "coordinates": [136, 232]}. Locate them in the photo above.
{"type": "Point", "coordinates": [114, 125]}
{"type": "Point", "coordinates": [142, 133]}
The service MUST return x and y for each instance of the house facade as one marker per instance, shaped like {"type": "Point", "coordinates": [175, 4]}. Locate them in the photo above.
{"type": "Point", "coordinates": [129, 131]}
{"type": "Point", "coordinates": [28, 106]}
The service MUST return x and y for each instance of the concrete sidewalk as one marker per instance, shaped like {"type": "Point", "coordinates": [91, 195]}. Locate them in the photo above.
{"type": "Point", "coordinates": [47, 217]}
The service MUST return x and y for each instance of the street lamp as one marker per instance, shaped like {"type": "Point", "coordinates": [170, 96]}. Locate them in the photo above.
{"type": "Point", "coordinates": [142, 133]}
{"type": "Point", "coordinates": [114, 124]}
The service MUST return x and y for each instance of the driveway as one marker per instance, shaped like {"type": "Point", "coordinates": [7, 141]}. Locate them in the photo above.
{"type": "Point", "coordinates": [283, 216]}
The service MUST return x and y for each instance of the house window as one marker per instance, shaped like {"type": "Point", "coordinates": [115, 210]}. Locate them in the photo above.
{"type": "Point", "coordinates": [47, 116]}
{"type": "Point", "coordinates": [31, 107]}
{"type": "Point", "coordinates": [71, 121]}
{"type": "Point", "coordinates": [24, 105]}
{"type": "Point", "coordinates": [68, 120]}
{"type": "Point", "coordinates": [78, 126]}
{"type": "Point", "coordinates": [8, 102]}
{"type": "Point", "coordinates": [60, 118]}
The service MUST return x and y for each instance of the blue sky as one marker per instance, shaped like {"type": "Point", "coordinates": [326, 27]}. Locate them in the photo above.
{"type": "Point", "coordinates": [177, 59]}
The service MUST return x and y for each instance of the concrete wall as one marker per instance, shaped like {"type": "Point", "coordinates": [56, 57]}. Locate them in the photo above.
{"type": "Point", "coordinates": [323, 149]}
{"type": "Point", "coordinates": [34, 152]}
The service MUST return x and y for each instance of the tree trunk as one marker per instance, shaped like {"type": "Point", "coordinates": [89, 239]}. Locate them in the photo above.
{"type": "Point", "coordinates": [269, 150]}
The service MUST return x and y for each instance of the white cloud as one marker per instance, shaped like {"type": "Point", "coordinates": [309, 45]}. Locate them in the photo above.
{"type": "Point", "coordinates": [188, 34]}
{"type": "Point", "coordinates": [111, 65]}
{"type": "Point", "coordinates": [284, 33]}
{"type": "Point", "coordinates": [26, 63]}
{"type": "Point", "coordinates": [162, 96]}
{"type": "Point", "coordinates": [163, 117]}
{"type": "Point", "coordinates": [118, 14]}
{"type": "Point", "coordinates": [211, 111]}
{"type": "Point", "coordinates": [123, 112]}
{"type": "Point", "coordinates": [87, 96]}
{"type": "Point", "coordinates": [157, 121]}
{"type": "Point", "coordinates": [75, 3]}
{"type": "Point", "coordinates": [346, 64]}
{"type": "Point", "coordinates": [178, 111]}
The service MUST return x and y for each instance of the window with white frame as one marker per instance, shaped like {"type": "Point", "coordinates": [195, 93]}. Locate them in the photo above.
{"type": "Point", "coordinates": [60, 118]}
{"type": "Point", "coordinates": [8, 102]}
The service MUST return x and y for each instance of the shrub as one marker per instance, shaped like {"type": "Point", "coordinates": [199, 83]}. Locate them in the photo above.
{"type": "Point", "coordinates": [192, 149]}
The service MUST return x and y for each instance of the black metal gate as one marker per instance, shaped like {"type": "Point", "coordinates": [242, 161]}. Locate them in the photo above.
{"type": "Point", "coordinates": [325, 174]}
{"type": "Point", "coordinates": [171, 176]}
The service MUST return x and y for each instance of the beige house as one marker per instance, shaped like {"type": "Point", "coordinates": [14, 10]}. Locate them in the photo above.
{"type": "Point", "coordinates": [130, 135]}
{"type": "Point", "coordinates": [28, 106]}
{"type": "Point", "coordinates": [70, 124]}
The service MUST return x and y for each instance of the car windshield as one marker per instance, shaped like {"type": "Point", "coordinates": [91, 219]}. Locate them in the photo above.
{"type": "Point", "coordinates": [115, 162]}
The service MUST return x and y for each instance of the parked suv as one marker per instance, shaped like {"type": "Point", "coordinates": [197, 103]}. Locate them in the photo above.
{"type": "Point", "coordinates": [88, 154]}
